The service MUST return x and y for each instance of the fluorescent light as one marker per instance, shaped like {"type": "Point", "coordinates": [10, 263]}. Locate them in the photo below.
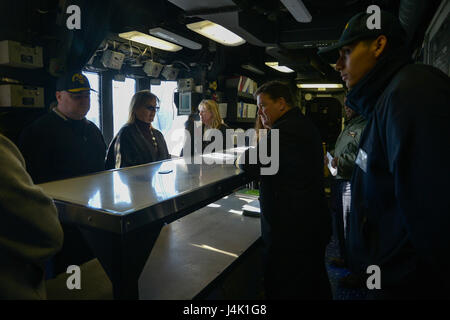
{"type": "Point", "coordinates": [277, 67]}
{"type": "Point", "coordinates": [298, 10]}
{"type": "Point", "coordinates": [319, 85]}
{"type": "Point", "coordinates": [175, 38]}
{"type": "Point", "coordinates": [216, 32]}
{"type": "Point", "coordinates": [148, 40]}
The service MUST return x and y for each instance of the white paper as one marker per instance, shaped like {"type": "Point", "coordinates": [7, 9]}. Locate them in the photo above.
{"type": "Point", "coordinates": [223, 110]}
{"type": "Point", "coordinates": [333, 171]}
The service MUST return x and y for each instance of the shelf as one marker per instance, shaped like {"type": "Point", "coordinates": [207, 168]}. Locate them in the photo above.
{"type": "Point", "coordinates": [246, 95]}
{"type": "Point", "coordinates": [243, 120]}
{"type": "Point", "coordinates": [233, 98]}
{"type": "Point", "coordinates": [5, 109]}
{"type": "Point", "coordinates": [231, 94]}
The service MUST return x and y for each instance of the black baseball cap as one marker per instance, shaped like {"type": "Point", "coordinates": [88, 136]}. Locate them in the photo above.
{"type": "Point", "coordinates": [357, 29]}
{"type": "Point", "coordinates": [73, 82]}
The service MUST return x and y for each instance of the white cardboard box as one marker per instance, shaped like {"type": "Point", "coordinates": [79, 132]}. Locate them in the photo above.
{"type": "Point", "coordinates": [15, 54]}
{"type": "Point", "coordinates": [17, 95]}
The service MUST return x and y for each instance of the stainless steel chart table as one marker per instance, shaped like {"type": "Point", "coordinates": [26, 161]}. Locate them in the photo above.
{"type": "Point", "coordinates": [194, 254]}
{"type": "Point", "coordinates": [121, 212]}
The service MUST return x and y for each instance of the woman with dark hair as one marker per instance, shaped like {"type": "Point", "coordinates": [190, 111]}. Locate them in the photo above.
{"type": "Point", "coordinates": [137, 141]}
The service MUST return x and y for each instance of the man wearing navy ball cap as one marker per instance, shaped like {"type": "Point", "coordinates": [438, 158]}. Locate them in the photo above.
{"type": "Point", "coordinates": [400, 217]}
{"type": "Point", "coordinates": [64, 144]}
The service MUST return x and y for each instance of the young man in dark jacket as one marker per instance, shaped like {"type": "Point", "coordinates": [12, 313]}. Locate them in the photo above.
{"type": "Point", "coordinates": [400, 210]}
{"type": "Point", "coordinates": [295, 222]}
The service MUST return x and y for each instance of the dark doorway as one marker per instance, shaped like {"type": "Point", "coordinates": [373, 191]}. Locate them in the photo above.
{"type": "Point", "coordinates": [326, 113]}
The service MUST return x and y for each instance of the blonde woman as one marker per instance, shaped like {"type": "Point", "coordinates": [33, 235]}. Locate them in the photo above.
{"type": "Point", "coordinates": [211, 119]}
{"type": "Point", "coordinates": [137, 141]}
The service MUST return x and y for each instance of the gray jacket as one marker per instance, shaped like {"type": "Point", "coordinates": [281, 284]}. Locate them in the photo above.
{"type": "Point", "coordinates": [30, 232]}
{"type": "Point", "coordinates": [346, 147]}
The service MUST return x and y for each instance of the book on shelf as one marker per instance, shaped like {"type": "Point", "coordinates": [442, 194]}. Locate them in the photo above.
{"type": "Point", "coordinates": [251, 112]}
{"type": "Point", "coordinates": [242, 84]}
{"type": "Point", "coordinates": [240, 110]}
{"type": "Point", "coordinates": [245, 110]}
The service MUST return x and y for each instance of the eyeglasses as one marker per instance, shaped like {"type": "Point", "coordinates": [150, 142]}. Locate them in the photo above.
{"type": "Point", "coordinates": [152, 108]}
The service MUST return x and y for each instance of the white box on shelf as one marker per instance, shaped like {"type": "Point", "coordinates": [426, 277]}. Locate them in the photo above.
{"type": "Point", "coordinates": [15, 54]}
{"type": "Point", "coordinates": [17, 95]}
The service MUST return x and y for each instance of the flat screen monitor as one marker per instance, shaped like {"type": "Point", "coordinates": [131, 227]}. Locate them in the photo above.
{"type": "Point", "coordinates": [185, 103]}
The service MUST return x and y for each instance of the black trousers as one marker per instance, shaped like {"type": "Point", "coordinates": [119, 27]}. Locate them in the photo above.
{"type": "Point", "coordinates": [296, 274]}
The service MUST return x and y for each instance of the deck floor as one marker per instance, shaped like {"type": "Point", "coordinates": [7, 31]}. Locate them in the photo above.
{"type": "Point", "coordinates": [334, 274]}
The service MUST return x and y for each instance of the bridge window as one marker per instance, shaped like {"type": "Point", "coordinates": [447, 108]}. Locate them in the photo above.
{"type": "Point", "coordinates": [167, 120]}
{"type": "Point", "coordinates": [123, 91]}
{"type": "Point", "coordinates": [94, 112]}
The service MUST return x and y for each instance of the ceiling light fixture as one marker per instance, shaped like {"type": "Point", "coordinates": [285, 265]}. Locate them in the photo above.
{"type": "Point", "coordinates": [277, 67]}
{"type": "Point", "coordinates": [216, 32]}
{"type": "Point", "coordinates": [319, 85]}
{"type": "Point", "coordinates": [175, 38]}
{"type": "Point", "coordinates": [298, 10]}
{"type": "Point", "coordinates": [148, 40]}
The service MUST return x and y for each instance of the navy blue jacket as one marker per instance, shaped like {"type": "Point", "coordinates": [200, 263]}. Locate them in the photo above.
{"type": "Point", "coordinates": [56, 148]}
{"type": "Point", "coordinates": [400, 217]}
{"type": "Point", "coordinates": [295, 222]}
{"type": "Point", "coordinates": [292, 200]}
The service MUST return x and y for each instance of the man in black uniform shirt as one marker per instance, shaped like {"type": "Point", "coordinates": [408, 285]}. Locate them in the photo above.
{"type": "Point", "coordinates": [64, 144]}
